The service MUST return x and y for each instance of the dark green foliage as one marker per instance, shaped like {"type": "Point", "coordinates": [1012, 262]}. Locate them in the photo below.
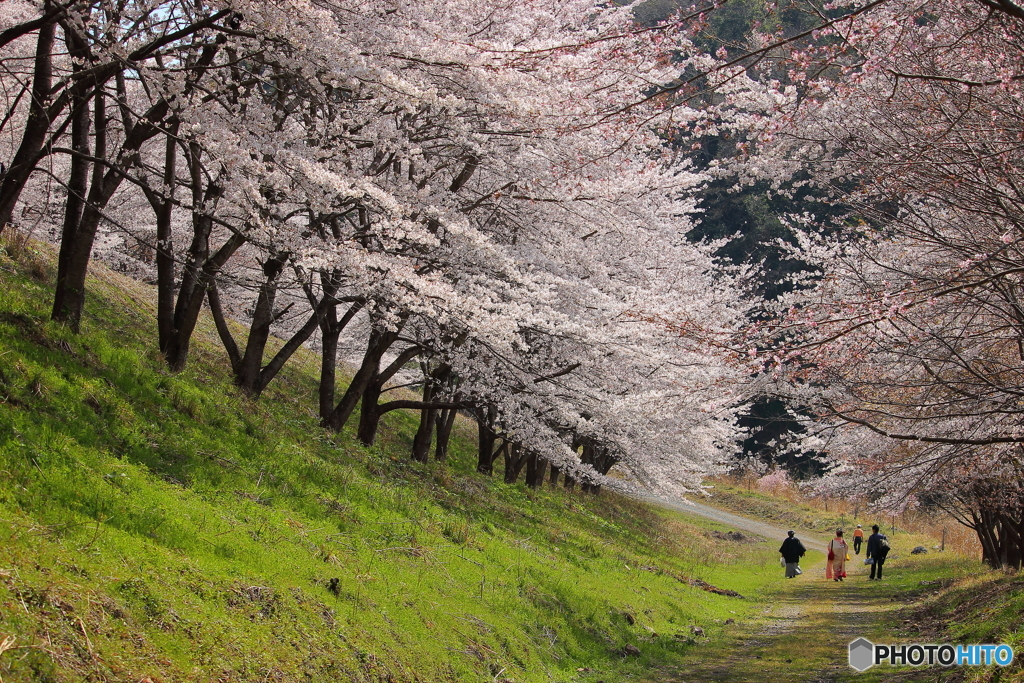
{"type": "Point", "coordinates": [750, 218]}
{"type": "Point", "coordinates": [772, 428]}
{"type": "Point", "coordinates": [655, 11]}
{"type": "Point", "coordinates": [731, 24]}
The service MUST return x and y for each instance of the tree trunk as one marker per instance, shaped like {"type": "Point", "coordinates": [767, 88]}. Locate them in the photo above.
{"type": "Point", "coordinates": [247, 371]}
{"type": "Point", "coordinates": [190, 304]}
{"type": "Point", "coordinates": [424, 434]}
{"type": "Point", "coordinates": [515, 459]}
{"type": "Point", "coordinates": [162, 203]}
{"type": "Point", "coordinates": [602, 460]}
{"type": "Point", "coordinates": [485, 440]}
{"type": "Point", "coordinates": [69, 296]}
{"type": "Point", "coordinates": [36, 125]}
{"type": "Point", "coordinates": [587, 458]}
{"type": "Point", "coordinates": [376, 346]}
{"type": "Point", "coordinates": [555, 470]}
{"type": "Point", "coordinates": [371, 409]}
{"type": "Point", "coordinates": [379, 342]}
{"type": "Point", "coordinates": [71, 282]}
{"type": "Point", "coordinates": [78, 179]}
{"type": "Point", "coordinates": [330, 330]}
{"type": "Point", "coordinates": [270, 370]}
{"type": "Point", "coordinates": [605, 460]}
{"type": "Point", "coordinates": [200, 269]}
{"type": "Point", "coordinates": [329, 334]}
{"type": "Point", "coordinates": [202, 225]}
{"type": "Point", "coordinates": [536, 468]}
{"type": "Point", "coordinates": [445, 422]}
{"type": "Point", "coordinates": [997, 518]}
{"type": "Point", "coordinates": [369, 413]}
{"type": "Point", "coordinates": [223, 330]}
{"type": "Point", "coordinates": [165, 275]}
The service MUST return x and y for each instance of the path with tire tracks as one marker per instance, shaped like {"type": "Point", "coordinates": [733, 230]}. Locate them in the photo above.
{"type": "Point", "coordinates": [803, 635]}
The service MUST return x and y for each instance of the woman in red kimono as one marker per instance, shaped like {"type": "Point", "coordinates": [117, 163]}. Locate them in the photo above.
{"type": "Point", "coordinates": [835, 566]}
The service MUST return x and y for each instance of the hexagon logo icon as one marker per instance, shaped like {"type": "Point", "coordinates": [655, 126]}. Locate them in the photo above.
{"type": "Point", "coordinates": [862, 654]}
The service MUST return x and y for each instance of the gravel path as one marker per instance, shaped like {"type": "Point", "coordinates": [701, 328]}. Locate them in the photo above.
{"type": "Point", "coordinates": [738, 522]}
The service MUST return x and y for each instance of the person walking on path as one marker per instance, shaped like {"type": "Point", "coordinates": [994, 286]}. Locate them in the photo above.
{"type": "Point", "coordinates": [878, 549]}
{"type": "Point", "coordinates": [858, 538]}
{"type": "Point", "coordinates": [792, 550]}
{"type": "Point", "coordinates": [838, 553]}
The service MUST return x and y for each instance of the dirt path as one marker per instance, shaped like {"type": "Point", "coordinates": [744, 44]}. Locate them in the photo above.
{"type": "Point", "coordinates": [801, 638]}
{"type": "Point", "coordinates": [803, 633]}
{"type": "Point", "coordinates": [753, 526]}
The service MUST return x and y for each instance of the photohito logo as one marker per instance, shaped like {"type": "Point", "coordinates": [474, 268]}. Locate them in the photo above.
{"type": "Point", "coordinates": [864, 654]}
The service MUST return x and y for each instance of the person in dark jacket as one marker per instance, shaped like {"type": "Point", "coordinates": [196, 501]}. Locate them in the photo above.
{"type": "Point", "coordinates": [792, 550]}
{"type": "Point", "coordinates": [877, 552]}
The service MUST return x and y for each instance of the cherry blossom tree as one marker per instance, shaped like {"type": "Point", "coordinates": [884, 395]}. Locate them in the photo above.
{"type": "Point", "coordinates": [910, 326]}
{"type": "Point", "coordinates": [491, 201]}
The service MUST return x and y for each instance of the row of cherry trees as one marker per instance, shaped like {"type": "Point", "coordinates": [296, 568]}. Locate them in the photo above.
{"type": "Point", "coordinates": [474, 198]}
{"type": "Point", "coordinates": [489, 202]}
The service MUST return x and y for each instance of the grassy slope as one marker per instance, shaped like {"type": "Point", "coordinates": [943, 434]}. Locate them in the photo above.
{"type": "Point", "coordinates": [162, 527]}
{"type": "Point", "coordinates": [979, 607]}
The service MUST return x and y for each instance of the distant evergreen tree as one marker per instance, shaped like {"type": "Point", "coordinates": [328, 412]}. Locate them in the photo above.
{"type": "Point", "coordinates": [751, 219]}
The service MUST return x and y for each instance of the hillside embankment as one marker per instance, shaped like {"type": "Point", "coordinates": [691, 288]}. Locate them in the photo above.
{"type": "Point", "coordinates": [731, 519]}
{"type": "Point", "coordinates": [163, 527]}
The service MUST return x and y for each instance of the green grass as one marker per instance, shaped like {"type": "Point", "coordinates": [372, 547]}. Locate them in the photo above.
{"type": "Point", "coordinates": [165, 527]}
{"type": "Point", "coordinates": [804, 630]}
{"type": "Point", "coordinates": [965, 606]}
